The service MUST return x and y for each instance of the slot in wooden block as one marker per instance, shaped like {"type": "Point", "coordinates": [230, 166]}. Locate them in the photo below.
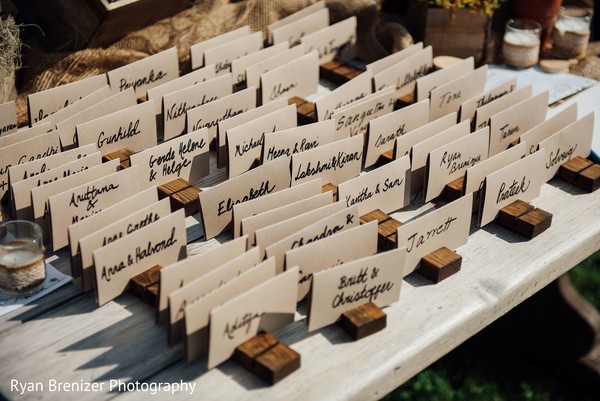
{"type": "Point", "coordinates": [246, 353]}
{"type": "Point", "coordinates": [376, 214]}
{"type": "Point", "coordinates": [121, 154]}
{"type": "Point", "coordinates": [182, 195]}
{"type": "Point", "coordinates": [172, 187]}
{"type": "Point", "coordinates": [524, 219]}
{"type": "Point", "coordinates": [440, 264]}
{"type": "Point", "coordinates": [332, 188]}
{"type": "Point", "coordinates": [142, 285]}
{"type": "Point", "coordinates": [363, 321]}
{"type": "Point", "coordinates": [582, 173]}
{"type": "Point", "coordinates": [338, 72]}
{"type": "Point", "coordinates": [454, 189]}
{"type": "Point", "coordinates": [305, 110]}
{"type": "Point", "coordinates": [387, 231]}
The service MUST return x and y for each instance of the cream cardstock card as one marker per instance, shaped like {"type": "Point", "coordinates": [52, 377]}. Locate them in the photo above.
{"type": "Point", "coordinates": [335, 223]}
{"type": "Point", "coordinates": [293, 32]}
{"type": "Point", "coordinates": [521, 180]}
{"type": "Point", "coordinates": [160, 243]}
{"type": "Point", "coordinates": [335, 162]}
{"type": "Point", "coordinates": [77, 107]}
{"type": "Point", "coordinates": [374, 279]}
{"type": "Point", "coordinates": [177, 104]}
{"type": "Point", "coordinates": [404, 74]}
{"type": "Point", "coordinates": [25, 134]}
{"type": "Point", "coordinates": [87, 199]}
{"type": "Point", "coordinates": [551, 126]}
{"type": "Point", "coordinates": [288, 142]}
{"type": "Point", "coordinates": [183, 157]}
{"type": "Point", "coordinates": [354, 119]}
{"type": "Point", "coordinates": [299, 77]}
{"type": "Point", "coordinates": [26, 151]}
{"type": "Point", "coordinates": [216, 203]}
{"type": "Point", "coordinates": [470, 106]}
{"type": "Point", "coordinates": [421, 150]}
{"type": "Point", "coordinates": [222, 56]}
{"type": "Point", "coordinates": [255, 71]}
{"type": "Point", "coordinates": [355, 243]}
{"type": "Point", "coordinates": [447, 226]}
{"type": "Point", "coordinates": [245, 142]}
{"type": "Point", "coordinates": [308, 10]}
{"type": "Point", "coordinates": [185, 81]}
{"type": "Point", "coordinates": [336, 41]}
{"type": "Point", "coordinates": [269, 306]}
{"type": "Point", "coordinates": [426, 84]}
{"type": "Point", "coordinates": [110, 233]}
{"type": "Point", "coordinates": [209, 115]}
{"type": "Point", "coordinates": [145, 74]}
{"type": "Point", "coordinates": [570, 142]}
{"type": "Point", "coordinates": [44, 103]}
{"type": "Point", "coordinates": [197, 50]}
{"type": "Point", "coordinates": [410, 138]}
{"type": "Point", "coordinates": [270, 201]}
{"type": "Point", "coordinates": [352, 91]}
{"type": "Point", "coordinates": [197, 315]}
{"type": "Point", "coordinates": [449, 97]}
{"type": "Point", "coordinates": [394, 58]}
{"type": "Point", "coordinates": [177, 275]}
{"type": "Point", "coordinates": [484, 113]}
{"type": "Point", "coordinates": [451, 161]}
{"type": "Point", "coordinates": [134, 128]}
{"type": "Point", "coordinates": [384, 188]}
{"type": "Point", "coordinates": [253, 223]}
{"type": "Point", "coordinates": [238, 66]}
{"type": "Point", "coordinates": [507, 125]}
{"type": "Point", "coordinates": [384, 130]}
{"type": "Point", "coordinates": [8, 118]}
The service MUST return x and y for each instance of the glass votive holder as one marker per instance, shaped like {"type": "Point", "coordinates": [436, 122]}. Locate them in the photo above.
{"type": "Point", "coordinates": [521, 43]}
{"type": "Point", "coordinates": [22, 265]}
{"type": "Point", "coordinates": [571, 32]}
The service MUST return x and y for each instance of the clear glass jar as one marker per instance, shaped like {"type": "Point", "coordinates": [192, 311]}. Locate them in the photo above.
{"type": "Point", "coordinates": [521, 43]}
{"type": "Point", "coordinates": [22, 265]}
{"type": "Point", "coordinates": [571, 32]}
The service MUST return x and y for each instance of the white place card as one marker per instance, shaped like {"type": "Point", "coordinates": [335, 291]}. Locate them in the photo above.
{"type": "Point", "coordinates": [197, 50]}
{"type": "Point", "coordinates": [77, 107]}
{"type": "Point", "coordinates": [288, 142]}
{"type": "Point", "coordinates": [404, 74]}
{"type": "Point", "coordinates": [299, 77]}
{"type": "Point", "coordinates": [308, 10]}
{"type": "Point", "coordinates": [551, 126]}
{"type": "Point", "coordinates": [426, 84]}
{"type": "Point", "coordinates": [222, 55]}
{"type": "Point", "coordinates": [448, 97]}
{"type": "Point", "coordinates": [335, 41]}
{"type": "Point", "coordinates": [8, 118]}
{"type": "Point", "coordinates": [352, 91]}
{"type": "Point", "coordinates": [394, 58]}
{"type": "Point", "coordinates": [25, 134]}
{"type": "Point", "coordinates": [239, 65]}
{"type": "Point", "coordinates": [255, 71]}
{"type": "Point", "coordinates": [484, 113]}
{"type": "Point", "coordinates": [470, 106]}
{"type": "Point", "coordinates": [293, 32]}
{"type": "Point", "coordinates": [420, 151]}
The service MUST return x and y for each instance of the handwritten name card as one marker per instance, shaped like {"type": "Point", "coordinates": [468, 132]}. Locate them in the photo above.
{"type": "Point", "coordinates": [25, 134]}
{"type": "Point", "coordinates": [421, 150]}
{"type": "Point", "coordinates": [374, 279]}
{"type": "Point", "coordinates": [160, 243]}
{"type": "Point", "coordinates": [288, 142]}
{"type": "Point", "coordinates": [299, 77]}
{"type": "Point", "coordinates": [308, 10]}
{"type": "Point", "coordinates": [394, 58]}
{"type": "Point", "coordinates": [77, 107]}
{"type": "Point", "coordinates": [449, 97]}
{"type": "Point", "coordinates": [8, 118]}
{"type": "Point", "coordinates": [255, 71]}
{"type": "Point", "coordinates": [551, 126]}
{"type": "Point", "coordinates": [197, 50]}
{"type": "Point", "coordinates": [336, 41]}
{"type": "Point", "coordinates": [426, 84]}
{"type": "Point", "coordinates": [353, 90]}
{"type": "Point", "coordinates": [484, 113]}
{"type": "Point", "coordinates": [293, 32]}
{"type": "Point", "coordinates": [470, 106]}
{"type": "Point", "coordinates": [222, 56]}
{"type": "Point", "coordinates": [238, 66]}
{"type": "Point", "coordinates": [404, 74]}
{"type": "Point", "coordinates": [407, 140]}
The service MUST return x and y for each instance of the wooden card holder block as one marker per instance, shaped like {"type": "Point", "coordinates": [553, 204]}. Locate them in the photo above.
{"type": "Point", "coordinates": [333, 189]}
{"type": "Point", "coordinates": [338, 72]}
{"type": "Point", "coordinates": [363, 321]}
{"type": "Point", "coordinates": [581, 172]}
{"type": "Point", "coordinates": [182, 195]}
{"type": "Point", "coordinates": [454, 190]}
{"type": "Point", "coordinates": [305, 110]}
{"type": "Point", "coordinates": [376, 214]}
{"type": "Point", "coordinates": [524, 219]}
{"type": "Point", "coordinates": [386, 228]}
{"type": "Point", "coordinates": [145, 285]}
{"type": "Point", "coordinates": [440, 264]}
{"type": "Point", "coordinates": [122, 154]}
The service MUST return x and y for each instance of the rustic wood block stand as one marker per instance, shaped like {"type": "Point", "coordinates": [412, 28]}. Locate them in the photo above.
{"type": "Point", "coordinates": [305, 110]}
{"type": "Point", "coordinates": [524, 219]}
{"type": "Point", "coordinates": [338, 72]}
{"type": "Point", "coordinates": [454, 190]}
{"type": "Point", "coordinates": [267, 358]}
{"type": "Point", "coordinates": [333, 189]}
{"type": "Point", "coordinates": [387, 238]}
{"type": "Point", "coordinates": [182, 195]}
{"type": "Point", "coordinates": [121, 154]}
{"type": "Point", "coordinates": [581, 172]}
{"type": "Point", "coordinates": [440, 264]}
{"type": "Point", "coordinates": [145, 285]}
{"type": "Point", "coordinates": [363, 321]}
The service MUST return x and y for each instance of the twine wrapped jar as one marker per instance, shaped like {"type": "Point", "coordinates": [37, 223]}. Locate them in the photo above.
{"type": "Point", "coordinates": [521, 43]}
{"type": "Point", "coordinates": [571, 32]}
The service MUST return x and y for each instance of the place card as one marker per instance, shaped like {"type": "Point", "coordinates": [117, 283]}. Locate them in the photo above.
{"type": "Point", "coordinates": [354, 119]}
{"type": "Point", "coordinates": [77, 107]}
{"type": "Point", "coordinates": [146, 73]}
{"type": "Point", "coordinates": [78, 203]}
{"type": "Point", "coordinates": [177, 104]}
{"type": "Point", "coordinates": [570, 142]}
{"type": "Point", "coordinates": [507, 125]}
{"type": "Point", "coordinates": [8, 118]}
{"type": "Point", "coordinates": [394, 58]}
{"type": "Point", "coordinates": [25, 134]}
{"type": "Point", "coordinates": [26, 151]}
{"type": "Point", "coordinates": [308, 10]}
{"type": "Point", "coordinates": [160, 243]}
{"type": "Point", "coordinates": [67, 128]}
{"type": "Point", "coordinates": [470, 106]}
{"type": "Point", "coordinates": [353, 90]}
{"type": "Point", "coordinates": [107, 234]}
{"type": "Point", "coordinates": [133, 127]}
{"type": "Point", "coordinates": [426, 84]}
{"type": "Point", "coordinates": [44, 103]}
{"type": "Point", "coordinates": [521, 180]}
{"type": "Point", "coordinates": [197, 315]}
{"type": "Point", "coordinates": [20, 191]}
{"type": "Point", "coordinates": [183, 157]}
{"type": "Point", "coordinates": [451, 161]}
{"type": "Point", "coordinates": [384, 130]}
{"type": "Point", "coordinates": [447, 226]}
{"type": "Point", "coordinates": [185, 81]}
{"type": "Point", "coordinates": [299, 77]}
{"type": "Point", "coordinates": [331, 225]}
{"type": "Point", "coordinates": [268, 202]}
{"type": "Point", "coordinates": [404, 74]}
{"type": "Point", "coordinates": [551, 126]}
{"type": "Point", "coordinates": [484, 113]}
{"type": "Point", "coordinates": [238, 120]}
{"type": "Point", "coordinates": [216, 203]}
{"type": "Point", "coordinates": [334, 162]}
{"type": "Point", "coordinates": [269, 306]}
{"type": "Point", "coordinates": [255, 71]}
{"type": "Point", "coordinates": [409, 139]}
{"type": "Point", "coordinates": [335, 41]}
{"type": "Point", "coordinates": [253, 223]}
{"type": "Point", "coordinates": [222, 55]}
{"type": "Point", "coordinates": [384, 188]}
{"type": "Point", "coordinates": [197, 50]}
{"type": "Point", "coordinates": [179, 274]}
{"type": "Point", "coordinates": [239, 65]}
{"type": "Point", "coordinates": [211, 114]}
{"type": "Point", "coordinates": [245, 142]}
{"type": "Point", "coordinates": [355, 243]}
{"type": "Point", "coordinates": [448, 97]}
{"type": "Point", "coordinates": [288, 142]}
{"type": "Point", "coordinates": [293, 32]}
{"type": "Point", "coordinates": [372, 279]}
